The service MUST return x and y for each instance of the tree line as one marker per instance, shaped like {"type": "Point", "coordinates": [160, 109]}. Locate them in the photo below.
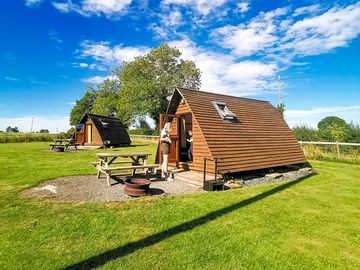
{"type": "Point", "coordinates": [15, 129]}
{"type": "Point", "coordinates": [329, 129]}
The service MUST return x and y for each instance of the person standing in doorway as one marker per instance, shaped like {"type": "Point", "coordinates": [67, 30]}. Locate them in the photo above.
{"type": "Point", "coordinates": [165, 149]}
{"type": "Point", "coordinates": [190, 140]}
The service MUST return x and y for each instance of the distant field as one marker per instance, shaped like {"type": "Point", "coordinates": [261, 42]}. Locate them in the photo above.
{"type": "Point", "coordinates": [6, 137]}
{"type": "Point", "coordinates": [46, 137]}
{"type": "Point", "coordinates": [310, 224]}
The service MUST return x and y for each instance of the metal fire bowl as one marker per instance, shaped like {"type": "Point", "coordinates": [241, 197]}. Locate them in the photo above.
{"type": "Point", "coordinates": [137, 187]}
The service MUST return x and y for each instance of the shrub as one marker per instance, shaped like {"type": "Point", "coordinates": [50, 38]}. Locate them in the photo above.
{"type": "Point", "coordinates": [305, 133]}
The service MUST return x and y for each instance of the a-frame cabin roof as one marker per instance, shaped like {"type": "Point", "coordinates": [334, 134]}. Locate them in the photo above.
{"type": "Point", "coordinates": [259, 138]}
{"type": "Point", "coordinates": [110, 129]}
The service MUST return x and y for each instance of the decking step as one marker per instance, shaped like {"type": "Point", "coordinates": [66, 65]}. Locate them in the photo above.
{"type": "Point", "coordinates": [190, 178]}
{"type": "Point", "coordinates": [274, 175]}
{"type": "Point", "coordinates": [191, 182]}
{"type": "Point", "coordinates": [176, 170]}
{"type": "Point", "coordinates": [305, 170]}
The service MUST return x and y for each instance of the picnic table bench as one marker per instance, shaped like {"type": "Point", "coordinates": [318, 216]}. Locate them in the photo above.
{"type": "Point", "coordinates": [63, 144]}
{"type": "Point", "coordinates": [135, 160]}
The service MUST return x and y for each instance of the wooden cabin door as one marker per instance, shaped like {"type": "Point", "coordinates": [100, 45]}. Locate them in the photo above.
{"type": "Point", "coordinates": [174, 136]}
{"type": "Point", "coordinates": [88, 133]}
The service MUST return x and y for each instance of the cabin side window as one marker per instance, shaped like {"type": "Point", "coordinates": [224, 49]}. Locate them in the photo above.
{"type": "Point", "coordinates": [79, 127]}
{"type": "Point", "coordinates": [224, 111]}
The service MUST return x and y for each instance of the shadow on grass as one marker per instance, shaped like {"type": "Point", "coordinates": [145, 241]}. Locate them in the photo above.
{"type": "Point", "coordinates": [129, 248]}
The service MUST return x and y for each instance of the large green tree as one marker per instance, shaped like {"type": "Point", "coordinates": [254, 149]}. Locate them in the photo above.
{"type": "Point", "coordinates": [107, 98]}
{"type": "Point", "coordinates": [331, 120]}
{"type": "Point", "coordinates": [149, 80]}
{"type": "Point", "coordinates": [333, 128]}
{"type": "Point", "coordinates": [82, 106]}
{"type": "Point", "coordinates": [12, 129]}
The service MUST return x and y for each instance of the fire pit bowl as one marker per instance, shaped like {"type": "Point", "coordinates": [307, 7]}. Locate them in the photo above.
{"type": "Point", "coordinates": [58, 149]}
{"type": "Point", "coordinates": [136, 187]}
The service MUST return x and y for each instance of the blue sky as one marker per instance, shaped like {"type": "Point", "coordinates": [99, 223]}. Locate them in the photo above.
{"type": "Point", "coordinates": [50, 49]}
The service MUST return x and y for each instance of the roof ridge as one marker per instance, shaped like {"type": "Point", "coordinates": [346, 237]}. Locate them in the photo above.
{"type": "Point", "coordinates": [207, 92]}
{"type": "Point", "coordinates": [102, 116]}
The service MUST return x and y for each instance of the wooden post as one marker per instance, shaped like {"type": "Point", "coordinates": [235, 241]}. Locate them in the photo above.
{"type": "Point", "coordinates": [107, 173]}
{"type": "Point", "coordinates": [215, 168]}
{"type": "Point", "coordinates": [204, 172]}
{"type": "Point", "coordinates": [338, 149]}
{"type": "Point", "coordinates": [99, 168]}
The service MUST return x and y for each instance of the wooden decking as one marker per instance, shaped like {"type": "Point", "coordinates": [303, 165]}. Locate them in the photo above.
{"type": "Point", "coordinates": [190, 177]}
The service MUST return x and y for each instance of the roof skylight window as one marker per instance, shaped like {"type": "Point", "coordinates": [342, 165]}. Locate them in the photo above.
{"type": "Point", "coordinates": [105, 124]}
{"type": "Point", "coordinates": [224, 111]}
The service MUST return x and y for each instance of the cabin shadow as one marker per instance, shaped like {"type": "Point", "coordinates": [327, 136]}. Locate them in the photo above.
{"type": "Point", "coordinates": [122, 251]}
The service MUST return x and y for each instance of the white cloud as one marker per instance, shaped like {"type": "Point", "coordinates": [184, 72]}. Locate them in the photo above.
{"type": "Point", "coordinates": [172, 19]}
{"type": "Point", "coordinates": [55, 36]}
{"type": "Point", "coordinates": [312, 116]}
{"type": "Point", "coordinates": [249, 70]}
{"type": "Point", "coordinates": [98, 79]}
{"type": "Point", "coordinates": [11, 78]}
{"type": "Point", "coordinates": [248, 39]}
{"type": "Point", "coordinates": [204, 7]}
{"type": "Point", "coordinates": [325, 32]}
{"type": "Point", "coordinates": [31, 3]}
{"type": "Point", "coordinates": [306, 10]}
{"type": "Point", "coordinates": [243, 7]}
{"type": "Point", "coordinates": [108, 8]}
{"type": "Point", "coordinates": [277, 32]}
{"type": "Point", "coordinates": [105, 54]}
{"type": "Point", "coordinates": [65, 7]}
{"type": "Point", "coordinates": [35, 81]}
{"type": "Point", "coordinates": [169, 21]}
{"type": "Point", "coordinates": [160, 31]}
{"type": "Point", "coordinates": [90, 66]}
{"type": "Point", "coordinates": [221, 73]}
{"type": "Point", "coordinates": [52, 123]}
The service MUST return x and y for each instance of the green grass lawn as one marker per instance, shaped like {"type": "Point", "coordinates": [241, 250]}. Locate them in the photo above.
{"type": "Point", "coordinates": [309, 224]}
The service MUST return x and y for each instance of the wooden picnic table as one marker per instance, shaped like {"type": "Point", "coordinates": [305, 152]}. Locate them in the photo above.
{"type": "Point", "coordinates": [137, 161]}
{"type": "Point", "coordinates": [63, 143]}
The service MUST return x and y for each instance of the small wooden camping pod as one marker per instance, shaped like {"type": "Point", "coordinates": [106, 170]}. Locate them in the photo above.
{"type": "Point", "coordinates": [101, 130]}
{"type": "Point", "coordinates": [243, 134]}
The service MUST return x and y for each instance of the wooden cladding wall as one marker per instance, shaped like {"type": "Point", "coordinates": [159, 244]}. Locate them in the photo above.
{"type": "Point", "coordinates": [200, 150]}
{"type": "Point", "coordinates": [183, 108]}
{"type": "Point", "coordinates": [260, 139]}
{"type": "Point", "coordinates": [95, 135]}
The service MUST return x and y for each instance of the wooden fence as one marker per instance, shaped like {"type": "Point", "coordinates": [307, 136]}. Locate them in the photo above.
{"type": "Point", "coordinates": [337, 144]}
{"type": "Point", "coordinates": [144, 138]}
